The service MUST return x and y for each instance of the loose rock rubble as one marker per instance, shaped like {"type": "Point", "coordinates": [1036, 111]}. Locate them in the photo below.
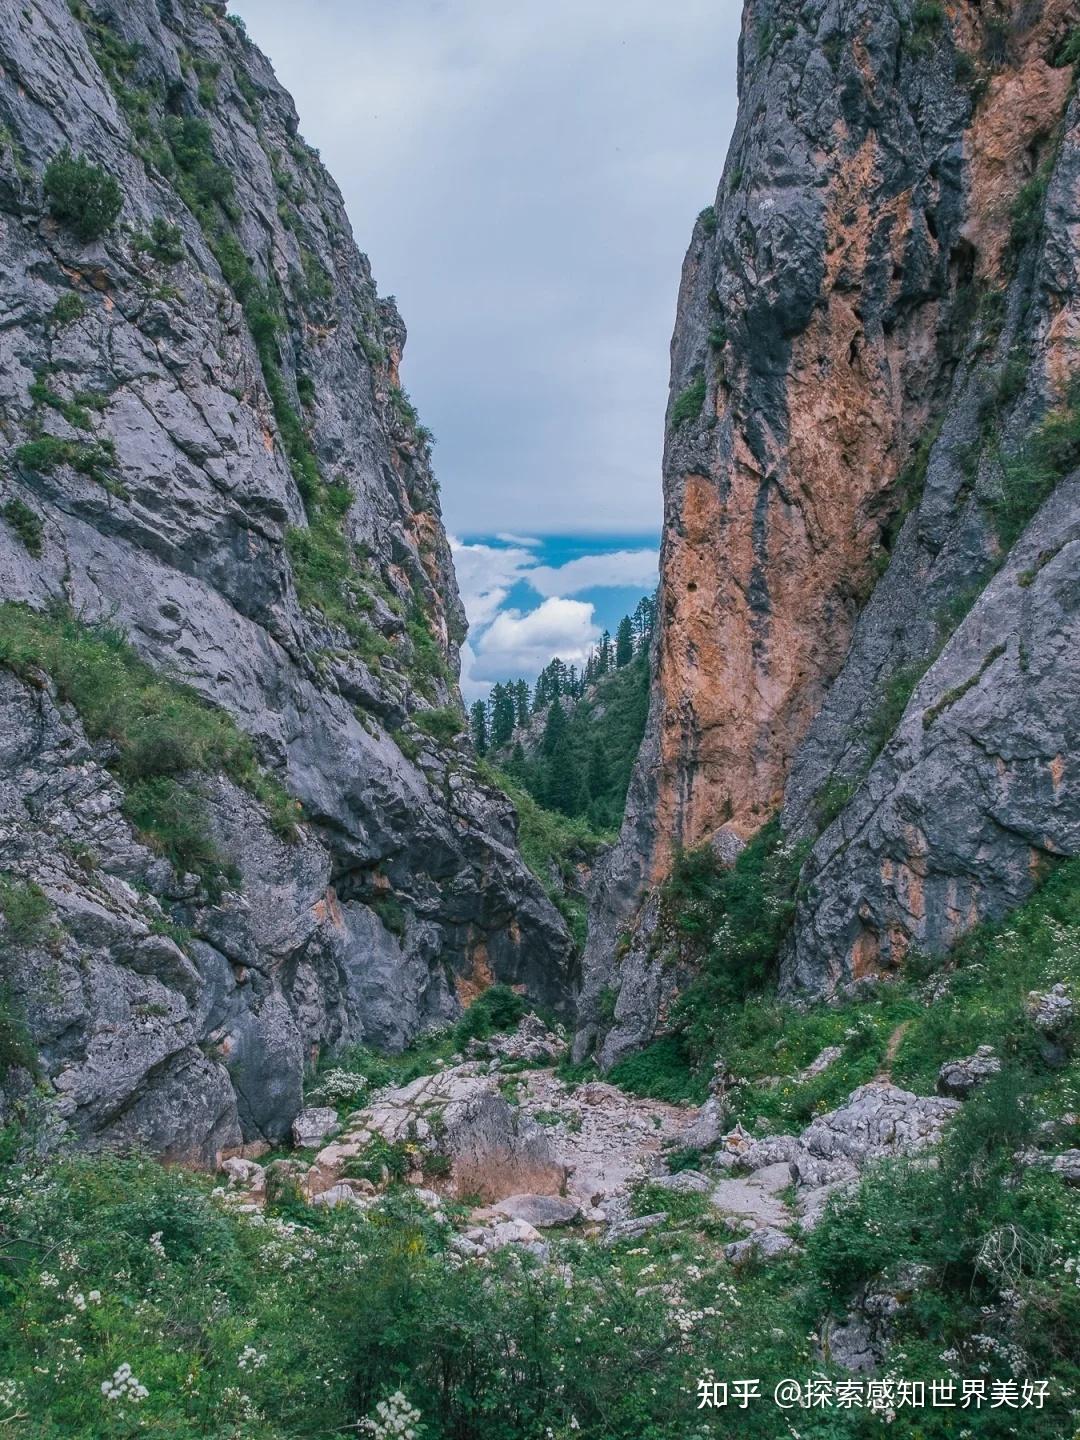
{"type": "Point", "coordinates": [539, 1154]}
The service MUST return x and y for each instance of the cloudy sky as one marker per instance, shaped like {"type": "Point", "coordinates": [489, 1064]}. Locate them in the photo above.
{"type": "Point", "coordinates": [524, 175]}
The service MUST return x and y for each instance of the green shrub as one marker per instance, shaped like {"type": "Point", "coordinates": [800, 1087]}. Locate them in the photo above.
{"type": "Point", "coordinates": [1027, 210]}
{"type": "Point", "coordinates": [734, 920]}
{"type": "Point", "coordinates": [84, 199]}
{"type": "Point", "coordinates": [93, 459]}
{"type": "Point", "coordinates": [389, 910]}
{"type": "Point", "coordinates": [16, 1047]}
{"type": "Point", "coordinates": [326, 571]}
{"type": "Point", "coordinates": [169, 818]}
{"type": "Point", "coordinates": [25, 908]}
{"type": "Point", "coordinates": [25, 523]}
{"type": "Point", "coordinates": [165, 242]}
{"type": "Point", "coordinates": [68, 308]}
{"type": "Point", "coordinates": [689, 402]}
{"type": "Point", "coordinates": [897, 691]}
{"type": "Point", "coordinates": [444, 724]}
{"type": "Point", "coordinates": [707, 220]}
{"type": "Point", "coordinates": [1029, 477]}
{"type": "Point", "coordinates": [161, 730]}
{"type": "Point", "coordinates": [496, 1009]}
{"type": "Point", "coordinates": [1069, 54]}
{"type": "Point", "coordinates": [662, 1070]}
{"type": "Point", "coordinates": [927, 23]}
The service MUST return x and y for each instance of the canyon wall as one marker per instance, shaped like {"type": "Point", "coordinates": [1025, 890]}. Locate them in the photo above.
{"type": "Point", "coordinates": [867, 616]}
{"type": "Point", "coordinates": [205, 448]}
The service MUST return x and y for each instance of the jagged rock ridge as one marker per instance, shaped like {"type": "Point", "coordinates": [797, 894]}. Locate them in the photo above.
{"type": "Point", "coordinates": [861, 609]}
{"type": "Point", "coordinates": [216, 382]}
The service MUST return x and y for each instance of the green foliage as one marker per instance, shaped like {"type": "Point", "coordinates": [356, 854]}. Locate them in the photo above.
{"type": "Point", "coordinates": [662, 1070]}
{"type": "Point", "coordinates": [550, 844]}
{"type": "Point", "coordinates": [69, 308]}
{"type": "Point", "coordinates": [732, 921]}
{"type": "Point", "coordinates": [707, 220]}
{"type": "Point", "coordinates": [427, 661]}
{"type": "Point", "coordinates": [585, 770]}
{"type": "Point", "coordinates": [328, 576]}
{"type": "Point", "coordinates": [496, 1009]}
{"type": "Point", "coordinates": [93, 459]}
{"type": "Point", "coordinates": [165, 242]}
{"type": "Point", "coordinates": [16, 1044]}
{"type": "Point", "coordinates": [390, 911]}
{"type": "Point", "coordinates": [1029, 476]}
{"type": "Point", "coordinates": [689, 402]}
{"type": "Point", "coordinates": [26, 524]}
{"type": "Point", "coordinates": [84, 199]}
{"type": "Point", "coordinates": [1027, 210]}
{"type": "Point", "coordinates": [444, 724]}
{"type": "Point", "coordinates": [26, 910]}
{"type": "Point", "coordinates": [897, 691]}
{"type": "Point", "coordinates": [163, 733]}
{"type": "Point", "coordinates": [1069, 54]}
{"type": "Point", "coordinates": [168, 815]}
{"type": "Point", "coordinates": [927, 24]}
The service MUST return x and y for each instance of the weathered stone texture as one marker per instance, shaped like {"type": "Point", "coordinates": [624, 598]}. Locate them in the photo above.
{"type": "Point", "coordinates": [187, 548]}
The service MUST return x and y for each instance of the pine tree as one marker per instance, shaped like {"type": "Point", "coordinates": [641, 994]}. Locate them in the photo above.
{"type": "Point", "coordinates": [643, 619]}
{"type": "Point", "coordinates": [598, 778]}
{"type": "Point", "coordinates": [624, 643]}
{"type": "Point", "coordinates": [603, 657]}
{"type": "Point", "coordinates": [540, 694]}
{"type": "Point", "coordinates": [478, 726]}
{"type": "Point", "coordinates": [554, 730]}
{"type": "Point", "coordinates": [502, 716]}
{"type": "Point", "coordinates": [521, 704]}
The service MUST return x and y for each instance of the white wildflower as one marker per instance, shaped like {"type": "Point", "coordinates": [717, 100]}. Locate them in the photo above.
{"type": "Point", "coordinates": [124, 1386]}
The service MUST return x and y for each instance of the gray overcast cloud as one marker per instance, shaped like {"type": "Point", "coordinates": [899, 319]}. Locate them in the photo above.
{"type": "Point", "coordinates": [524, 177]}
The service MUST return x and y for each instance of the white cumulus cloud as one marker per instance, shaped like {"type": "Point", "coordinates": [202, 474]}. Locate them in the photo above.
{"type": "Point", "coordinates": [618, 567]}
{"type": "Point", "coordinates": [518, 643]}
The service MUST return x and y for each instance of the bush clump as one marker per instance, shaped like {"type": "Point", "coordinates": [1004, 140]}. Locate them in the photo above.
{"type": "Point", "coordinates": [443, 724]}
{"type": "Point", "coordinates": [689, 402]}
{"type": "Point", "coordinates": [163, 733]}
{"type": "Point", "coordinates": [25, 523]}
{"type": "Point", "coordinates": [164, 242]}
{"type": "Point", "coordinates": [83, 198]}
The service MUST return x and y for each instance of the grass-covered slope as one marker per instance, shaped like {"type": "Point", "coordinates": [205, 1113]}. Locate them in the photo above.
{"type": "Point", "coordinates": [298, 1323]}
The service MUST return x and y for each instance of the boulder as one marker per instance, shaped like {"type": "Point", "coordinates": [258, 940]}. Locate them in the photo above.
{"type": "Point", "coordinates": [959, 1078]}
{"type": "Point", "coordinates": [541, 1211]}
{"type": "Point", "coordinates": [686, 1182]}
{"type": "Point", "coordinates": [765, 1244]}
{"type": "Point", "coordinates": [707, 1127]}
{"type": "Point", "coordinates": [879, 1120]}
{"type": "Point", "coordinates": [340, 1194]}
{"type": "Point", "coordinates": [312, 1126]}
{"type": "Point", "coordinates": [635, 1228]}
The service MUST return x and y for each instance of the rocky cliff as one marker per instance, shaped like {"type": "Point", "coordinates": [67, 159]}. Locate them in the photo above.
{"type": "Point", "coordinates": [219, 519]}
{"type": "Point", "coordinates": [868, 607]}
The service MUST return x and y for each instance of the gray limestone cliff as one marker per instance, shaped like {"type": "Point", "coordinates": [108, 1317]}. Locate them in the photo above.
{"type": "Point", "coordinates": [868, 603]}
{"type": "Point", "coordinates": [204, 447]}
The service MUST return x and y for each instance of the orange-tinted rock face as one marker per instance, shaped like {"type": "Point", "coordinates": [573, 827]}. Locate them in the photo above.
{"type": "Point", "coordinates": [873, 329]}
{"type": "Point", "coordinates": [773, 543]}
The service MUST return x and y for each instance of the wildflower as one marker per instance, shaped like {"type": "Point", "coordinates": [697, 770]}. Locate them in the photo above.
{"type": "Point", "coordinates": [250, 1358]}
{"type": "Point", "coordinates": [124, 1386]}
{"type": "Point", "coordinates": [156, 1246]}
{"type": "Point", "coordinates": [48, 1281]}
{"type": "Point", "coordinates": [396, 1418]}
